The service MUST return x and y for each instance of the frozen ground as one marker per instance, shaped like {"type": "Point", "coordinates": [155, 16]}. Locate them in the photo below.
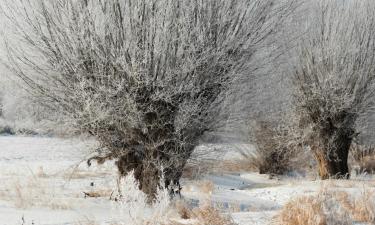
{"type": "Point", "coordinates": [43, 180]}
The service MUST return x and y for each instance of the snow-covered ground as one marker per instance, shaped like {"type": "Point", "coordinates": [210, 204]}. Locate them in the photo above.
{"type": "Point", "coordinates": [43, 181]}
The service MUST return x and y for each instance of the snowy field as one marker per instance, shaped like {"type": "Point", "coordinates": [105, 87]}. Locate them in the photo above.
{"type": "Point", "coordinates": [43, 181]}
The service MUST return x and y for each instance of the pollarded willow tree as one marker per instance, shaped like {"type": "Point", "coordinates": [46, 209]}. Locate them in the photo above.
{"type": "Point", "coordinates": [145, 77]}
{"type": "Point", "coordinates": [334, 79]}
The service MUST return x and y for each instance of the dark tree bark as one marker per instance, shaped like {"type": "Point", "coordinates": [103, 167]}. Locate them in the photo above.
{"type": "Point", "coordinates": [332, 145]}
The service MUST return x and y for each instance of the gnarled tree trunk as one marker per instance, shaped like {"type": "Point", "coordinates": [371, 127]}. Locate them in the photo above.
{"type": "Point", "coordinates": [332, 167]}
{"type": "Point", "coordinates": [332, 152]}
{"type": "Point", "coordinates": [150, 168]}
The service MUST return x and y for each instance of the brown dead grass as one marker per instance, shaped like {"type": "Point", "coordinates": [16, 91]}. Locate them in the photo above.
{"type": "Point", "coordinates": [183, 210]}
{"type": "Point", "coordinates": [342, 183]}
{"type": "Point", "coordinates": [206, 186]}
{"type": "Point", "coordinates": [303, 211]}
{"type": "Point", "coordinates": [205, 214]}
{"type": "Point", "coordinates": [329, 207]}
{"type": "Point", "coordinates": [361, 208]}
{"type": "Point", "coordinates": [238, 165]}
{"type": "Point", "coordinates": [102, 193]}
{"type": "Point", "coordinates": [362, 158]}
{"type": "Point", "coordinates": [33, 192]}
{"type": "Point", "coordinates": [208, 215]}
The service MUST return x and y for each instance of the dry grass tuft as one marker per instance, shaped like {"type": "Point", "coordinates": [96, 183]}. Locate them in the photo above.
{"type": "Point", "coordinates": [361, 208]}
{"type": "Point", "coordinates": [329, 208]}
{"type": "Point", "coordinates": [205, 214]}
{"type": "Point", "coordinates": [303, 211]}
{"type": "Point", "coordinates": [363, 158]}
{"type": "Point", "coordinates": [206, 186]}
{"type": "Point", "coordinates": [208, 215]}
{"type": "Point", "coordinates": [34, 192]}
{"type": "Point", "coordinates": [102, 193]}
{"type": "Point", "coordinates": [183, 210]}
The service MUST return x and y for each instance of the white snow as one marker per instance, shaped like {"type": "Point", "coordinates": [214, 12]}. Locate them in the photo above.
{"type": "Point", "coordinates": [42, 181]}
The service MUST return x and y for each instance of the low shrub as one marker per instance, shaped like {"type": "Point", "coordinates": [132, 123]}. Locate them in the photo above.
{"type": "Point", "coordinates": [363, 158]}
{"type": "Point", "coordinates": [277, 150]}
{"type": "Point", "coordinates": [6, 130]}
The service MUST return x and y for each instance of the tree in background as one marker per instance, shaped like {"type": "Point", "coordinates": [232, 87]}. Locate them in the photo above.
{"type": "Point", "coordinates": [334, 79]}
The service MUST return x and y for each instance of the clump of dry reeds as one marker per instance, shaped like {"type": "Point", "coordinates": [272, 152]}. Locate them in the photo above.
{"type": "Point", "coordinates": [329, 208]}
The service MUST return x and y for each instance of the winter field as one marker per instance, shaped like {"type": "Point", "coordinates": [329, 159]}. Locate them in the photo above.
{"type": "Point", "coordinates": [45, 181]}
{"type": "Point", "coordinates": [187, 112]}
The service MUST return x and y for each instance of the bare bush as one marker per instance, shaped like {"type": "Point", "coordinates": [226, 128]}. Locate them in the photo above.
{"type": "Point", "coordinates": [334, 79]}
{"type": "Point", "coordinates": [363, 158]}
{"type": "Point", "coordinates": [277, 151]}
{"type": "Point", "coordinates": [144, 77]}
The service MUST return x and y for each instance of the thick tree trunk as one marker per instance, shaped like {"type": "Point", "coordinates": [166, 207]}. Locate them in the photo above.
{"type": "Point", "coordinates": [158, 150]}
{"type": "Point", "coordinates": [332, 168]}
{"type": "Point", "coordinates": [332, 154]}
{"type": "Point", "coordinates": [149, 180]}
{"type": "Point", "coordinates": [148, 169]}
{"type": "Point", "coordinates": [145, 172]}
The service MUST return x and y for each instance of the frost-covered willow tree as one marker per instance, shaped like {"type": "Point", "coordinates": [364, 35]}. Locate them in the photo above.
{"type": "Point", "coordinates": [334, 79]}
{"type": "Point", "coordinates": [145, 77]}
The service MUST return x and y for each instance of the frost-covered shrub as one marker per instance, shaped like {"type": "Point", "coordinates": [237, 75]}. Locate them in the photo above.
{"type": "Point", "coordinates": [135, 209]}
{"type": "Point", "coordinates": [278, 149]}
{"type": "Point", "coordinates": [363, 158]}
{"type": "Point", "coordinates": [134, 206]}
